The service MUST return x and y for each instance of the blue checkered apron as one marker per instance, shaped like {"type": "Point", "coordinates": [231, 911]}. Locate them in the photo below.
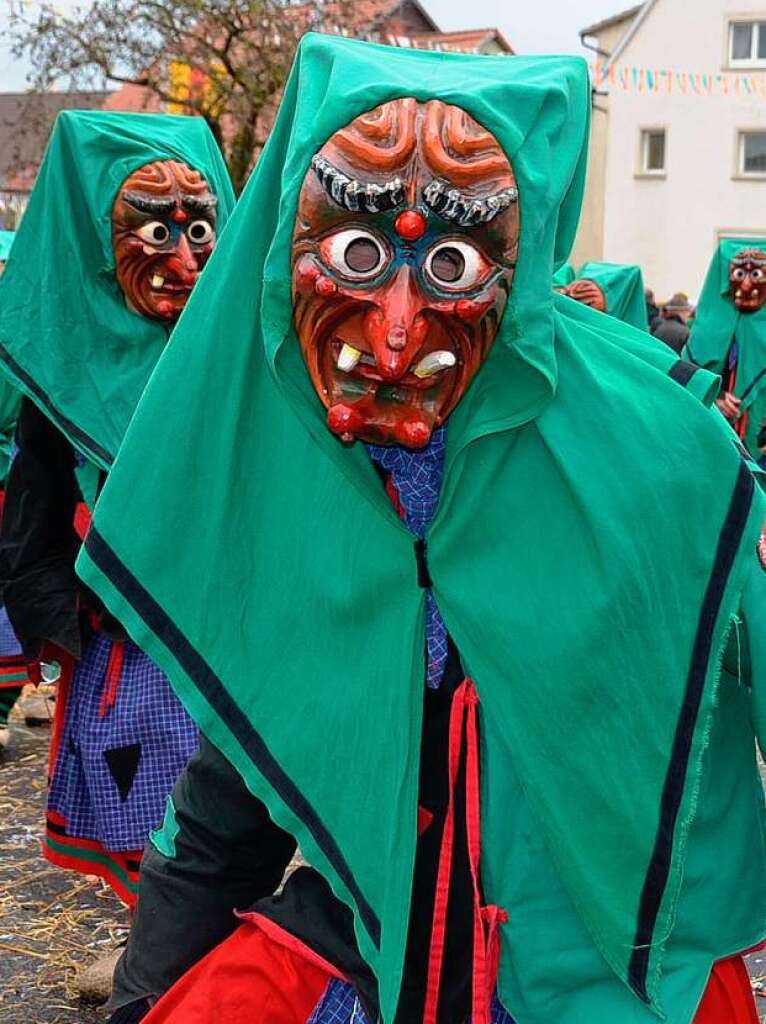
{"type": "Point", "coordinates": [9, 645]}
{"type": "Point", "coordinates": [147, 715]}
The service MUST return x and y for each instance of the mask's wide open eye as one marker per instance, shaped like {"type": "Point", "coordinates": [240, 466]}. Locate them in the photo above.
{"type": "Point", "coordinates": [739, 274]}
{"type": "Point", "coordinates": [757, 274]}
{"type": "Point", "coordinates": [354, 253]}
{"type": "Point", "coordinates": [456, 265]}
{"type": "Point", "coordinates": [200, 232]}
{"type": "Point", "coordinates": [155, 232]}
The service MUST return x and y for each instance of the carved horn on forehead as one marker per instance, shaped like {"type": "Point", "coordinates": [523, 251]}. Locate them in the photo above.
{"type": "Point", "coordinates": [452, 142]}
{"type": "Point", "coordinates": [383, 139]}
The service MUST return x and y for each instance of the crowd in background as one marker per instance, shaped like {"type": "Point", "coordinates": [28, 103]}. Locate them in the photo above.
{"type": "Point", "coordinates": [672, 321]}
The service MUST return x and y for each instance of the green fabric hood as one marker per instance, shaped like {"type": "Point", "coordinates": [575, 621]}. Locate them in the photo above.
{"type": "Point", "coordinates": [6, 241]}
{"type": "Point", "coordinates": [718, 324]}
{"type": "Point", "coordinates": [67, 338]}
{"type": "Point", "coordinates": [10, 398]}
{"type": "Point", "coordinates": [623, 286]}
{"type": "Point", "coordinates": [292, 622]}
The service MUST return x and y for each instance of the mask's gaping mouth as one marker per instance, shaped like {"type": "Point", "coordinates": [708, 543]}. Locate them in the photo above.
{"type": "Point", "coordinates": [424, 370]}
{"type": "Point", "coordinates": [366, 404]}
{"type": "Point", "coordinates": [748, 301]}
{"type": "Point", "coordinates": [169, 286]}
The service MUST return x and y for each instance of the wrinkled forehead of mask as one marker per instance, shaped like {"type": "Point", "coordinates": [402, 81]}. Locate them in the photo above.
{"type": "Point", "coordinates": [405, 152]}
{"type": "Point", "coordinates": [748, 259]}
{"type": "Point", "coordinates": [152, 188]}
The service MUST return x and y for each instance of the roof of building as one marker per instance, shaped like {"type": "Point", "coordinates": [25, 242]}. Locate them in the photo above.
{"type": "Point", "coordinates": [615, 19]}
{"type": "Point", "coordinates": [25, 123]}
{"type": "Point", "coordinates": [370, 13]}
{"type": "Point", "coordinates": [478, 40]}
{"type": "Point", "coordinates": [387, 8]}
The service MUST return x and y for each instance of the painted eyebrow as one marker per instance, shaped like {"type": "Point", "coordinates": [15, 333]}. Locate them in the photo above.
{"type": "Point", "coordinates": [458, 208]}
{"type": "Point", "coordinates": [199, 204]}
{"type": "Point", "coordinates": [357, 196]}
{"type": "Point", "coordinates": [149, 204]}
{"type": "Point", "coordinates": [757, 261]}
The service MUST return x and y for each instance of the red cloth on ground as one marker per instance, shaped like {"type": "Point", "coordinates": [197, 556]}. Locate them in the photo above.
{"type": "Point", "coordinates": [249, 979]}
{"type": "Point", "coordinates": [729, 997]}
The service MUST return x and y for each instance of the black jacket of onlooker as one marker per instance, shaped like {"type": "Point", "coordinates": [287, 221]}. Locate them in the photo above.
{"type": "Point", "coordinates": [673, 331]}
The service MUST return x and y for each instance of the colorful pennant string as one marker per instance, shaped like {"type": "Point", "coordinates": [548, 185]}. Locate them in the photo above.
{"type": "Point", "coordinates": [630, 78]}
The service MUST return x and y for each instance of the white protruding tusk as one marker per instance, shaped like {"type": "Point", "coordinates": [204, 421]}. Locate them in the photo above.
{"type": "Point", "coordinates": [434, 362]}
{"type": "Point", "coordinates": [348, 357]}
{"type": "Point", "coordinates": [157, 281]}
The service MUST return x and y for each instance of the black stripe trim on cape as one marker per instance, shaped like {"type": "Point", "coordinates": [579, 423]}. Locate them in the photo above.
{"type": "Point", "coordinates": [212, 689]}
{"type": "Point", "coordinates": [682, 372]}
{"type": "Point", "coordinates": [675, 780]}
{"type": "Point", "coordinates": [61, 421]}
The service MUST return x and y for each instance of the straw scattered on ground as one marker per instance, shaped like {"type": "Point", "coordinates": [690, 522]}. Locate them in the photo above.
{"type": "Point", "coordinates": [53, 923]}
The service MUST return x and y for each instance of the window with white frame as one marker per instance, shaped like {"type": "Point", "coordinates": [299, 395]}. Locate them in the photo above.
{"type": "Point", "coordinates": [752, 154]}
{"type": "Point", "coordinates": [653, 148]}
{"type": "Point", "coordinates": [747, 43]}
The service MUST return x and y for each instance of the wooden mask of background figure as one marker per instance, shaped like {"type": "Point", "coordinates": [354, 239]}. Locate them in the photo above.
{"type": "Point", "coordinates": [163, 231]}
{"type": "Point", "coordinates": [747, 280]}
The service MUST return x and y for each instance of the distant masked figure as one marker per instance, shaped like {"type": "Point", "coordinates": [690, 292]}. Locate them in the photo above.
{"type": "Point", "coordinates": [121, 222]}
{"type": "Point", "coordinates": [613, 288]}
{"type": "Point", "coordinates": [729, 335]}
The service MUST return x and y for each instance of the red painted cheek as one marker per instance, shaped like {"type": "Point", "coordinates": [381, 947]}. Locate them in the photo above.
{"type": "Point", "coordinates": [419, 329]}
{"type": "Point", "coordinates": [306, 274]}
{"type": "Point", "coordinates": [471, 310]}
{"type": "Point", "coordinates": [325, 287]}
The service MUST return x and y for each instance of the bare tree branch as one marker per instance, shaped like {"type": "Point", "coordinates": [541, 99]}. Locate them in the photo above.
{"type": "Point", "coordinates": [223, 60]}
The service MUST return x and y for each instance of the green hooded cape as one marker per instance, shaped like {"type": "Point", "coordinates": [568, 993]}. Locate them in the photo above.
{"type": "Point", "coordinates": [589, 581]}
{"type": "Point", "coordinates": [67, 338]}
{"type": "Point", "coordinates": [623, 286]}
{"type": "Point", "coordinates": [718, 324]}
{"type": "Point", "coordinates": [6, 241]}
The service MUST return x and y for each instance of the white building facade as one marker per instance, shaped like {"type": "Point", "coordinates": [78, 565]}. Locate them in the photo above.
{"type": "Point", "coordinates": [678, 154]}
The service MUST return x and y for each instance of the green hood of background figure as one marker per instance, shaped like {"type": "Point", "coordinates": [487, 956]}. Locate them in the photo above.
{"type": "Point", "coordinates": [10, 398]}
{"type": "Point", "coordinates": [292, 623]}
{"type": "Point", "coordinates": [6, 241]}
{"type": "Point", "coordinates": [623, 286]}
{"type": "Point", "coordinates": [719, 324]}
{"type": "Point", "coordinates": [67, 339]}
